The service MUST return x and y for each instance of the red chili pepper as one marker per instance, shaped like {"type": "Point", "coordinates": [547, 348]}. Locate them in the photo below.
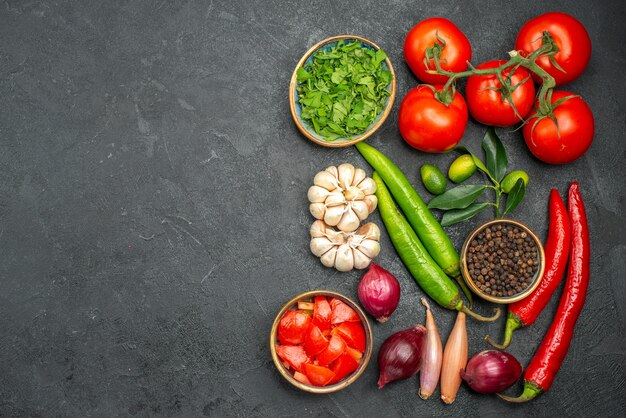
{"type": "Point", "coordinates": [525, 312]}
{"type": "Point", "coordinates": [545, 364]}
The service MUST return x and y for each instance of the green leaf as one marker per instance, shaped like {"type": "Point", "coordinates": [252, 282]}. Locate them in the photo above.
{"type": "Point", "coordinates": [497, 160]}
{"type": "Point", "coordinates": [303, 75]}
{"type": "Point", "coordinates": [515, 196]}
{"type": "Point", "coordinates": [459, 197]}
{"type": "Point", "coordinates": [457, 215]}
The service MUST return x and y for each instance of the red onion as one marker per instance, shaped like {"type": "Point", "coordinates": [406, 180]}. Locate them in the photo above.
{"type": "Point", "coordinates": [379, 292]}
{"type": "Point", "coordinates": [491, 371]}
{"type": "Point", "coordinates": [400, 356]}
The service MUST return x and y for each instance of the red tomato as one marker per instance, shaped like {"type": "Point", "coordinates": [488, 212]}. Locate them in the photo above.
{"type": "Point", "coordinates": [455, 54]}
{"type": "Point", "coordinates": [294, 355]}
{"type": "Point", "coordinates": [292, 327]}
{"type": "Point", "coordinates": [575, 127]}
{"type": "Point", "coordinates": [569, 36]}
{"type": "Point", "coordinates": [429, 125]}
{"type": "Point", "coordinates": [322, 313]}
{"type": "Point", "coordinates": [342, 312]}
{"type": "Point", "coordinates": [352, 333]}
{"type": "Point", "coordinates": [343, 366]}
{"type": "Point", "coordinates": [488, 106]}
{"type": "Point", "coordinates": [354, 353]}
{"type": "Point", "coordinates": [336, 347]}
{"type": "Point", "coordinates": [314, 342]}
{"type": "Point", "coordinates": [318, 375]}
{"type": "Point", "coordinates": [302, 378]}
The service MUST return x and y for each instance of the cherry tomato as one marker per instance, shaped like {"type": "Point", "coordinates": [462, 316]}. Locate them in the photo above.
{"type": "Point", "coordinates": [343, 366]}
{"type": "Point", "coordinates": [293, 326]}
{"type": "Point", "coordinates": [575, 127]}
{"type": "Point", "coordinates": [569, 36]}
{"type": "Point", "coordinates": [336, 347]}
{"type": "Point", "coordinates": [455, 54]}
{"type": "Point", "coordinates": [352, 333]}
{"type": "Point", "coordinates": [314, 342]}
{"type": "Point", "coordinates": [342, 312]}
{"type": "Point", "coordinates": [322, 313]}
{"type": "Point", "coordinates": [429, 125]}
{"type": "Point", "coordinates": [294, 355]}
{"type": "Point", "coordinates": [318, 375]}
{"type": "Point", "coordinates": [488, 106]}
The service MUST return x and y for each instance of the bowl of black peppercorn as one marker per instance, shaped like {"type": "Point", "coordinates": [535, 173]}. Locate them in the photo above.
{"type": "Point", "coordinates": [502, 261]}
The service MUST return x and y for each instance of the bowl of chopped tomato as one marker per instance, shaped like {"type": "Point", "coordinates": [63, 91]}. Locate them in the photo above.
{"type": "Point", "coordinates": [321, 341]}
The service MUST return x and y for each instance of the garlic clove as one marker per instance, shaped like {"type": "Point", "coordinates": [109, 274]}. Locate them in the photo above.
{"type": "Point", "coordinates": [336, 237]}
{"type": "Point", "coordinates": [368, 186]}
{"type": "Point", "coordinates": [370, 248]}
{"type": "Point", "coordinates": [346, 174]}
{"type": "Point", "coordinates": [354, 193]}
{"type": "Point", "coordinates": [359, 175]}
{"type": "Point", "coordinates": [335, 199]}
{"type": "Point", "coordinates": [333, 215]}
{"type": "Point", "coordinates": [360, 260]}
{"type": "Point", "coordinates": [318, 210]}
{"type": "Point", "coordinates": [320, 245]}
{"type": "Point", "coordinates": [333, 170]}
{"type": "Point", "coordinates": [344, 261]}
{"type": "Point", "coordinates": [349, 221]}
{"type": "Point", "coordinates": [326, 180]}
{"type": "Point", "coordinates": [328, 259]}
{"type": "Point", "coordinates": [370, 231]}
{"type": "Point", "coordinates": [372, 202]}
{"type": "Point", "coordinates": [317, 194]}
{"type": "Point", "coordinates": [360, 208]}
{"type": "Point", "coordinates": [318, 229]}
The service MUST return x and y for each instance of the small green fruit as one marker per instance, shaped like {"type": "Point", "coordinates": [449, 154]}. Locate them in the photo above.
{"type": "Point", "coordinates": [433, 179]}
{"type": "Point", "coordinates": [462, 168]}
{"type": "Point", "coordinates": [511, 178]}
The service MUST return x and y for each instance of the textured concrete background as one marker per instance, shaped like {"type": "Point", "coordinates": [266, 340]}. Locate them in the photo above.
{"type": "Point", "coordinates": [153, 212]}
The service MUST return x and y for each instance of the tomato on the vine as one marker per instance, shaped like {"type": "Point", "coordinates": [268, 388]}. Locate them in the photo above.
{"type": "Point", "coordinates": [566, 140]}
{"type": "Point", "coordinates": [455, 54]}
{"type": "Point", "coordinates": [569, 36]}
{"type": "Point", "coordinates": [429, 125]}
{"type": "Point", "coordinates": [486, 101]}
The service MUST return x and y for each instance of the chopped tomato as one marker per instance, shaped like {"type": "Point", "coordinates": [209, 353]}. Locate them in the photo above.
{"type": "Point", "coordinates": [353, 334]}
{"type": "Point", "coordinates": [305, 306]}
{"type": "Point", "coordinates": [302, 378]}
{"type": "Point", "coordinates": [343, 366]}
{"type": "Point", "coordinates": [318, 375]}
{"type": "Point", "coordinates": [356, 354]}
{"type": "Point", "coordinates": [294, 355]}
{"type": "Point", "coordinates": [292, 327]}
{"type": "Point", "coordinates": [314, 342]}
{"type": "Point", "coordinates": [336, 347]}
{"type": "Point", "coordinates": [322, 313]}
{"type": "Point", "coordinates": [342, 312]}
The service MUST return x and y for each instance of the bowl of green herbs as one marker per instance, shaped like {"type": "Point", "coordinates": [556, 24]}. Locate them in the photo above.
{"type": "Point", "coordinates": [342, 91]}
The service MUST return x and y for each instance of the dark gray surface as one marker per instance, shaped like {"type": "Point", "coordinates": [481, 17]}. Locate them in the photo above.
{"type": "Point", "coordinates": [153, 212]}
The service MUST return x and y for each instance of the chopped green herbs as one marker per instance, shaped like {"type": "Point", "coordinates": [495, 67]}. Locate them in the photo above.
{"type": "Point", "coordinates": [343, 90]}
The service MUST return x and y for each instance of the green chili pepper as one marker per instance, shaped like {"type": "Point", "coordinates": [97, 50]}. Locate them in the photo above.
{"type": "Point", "coordinates": [421, 219]}
{"type": "Point", "coordinates": [428, 275]}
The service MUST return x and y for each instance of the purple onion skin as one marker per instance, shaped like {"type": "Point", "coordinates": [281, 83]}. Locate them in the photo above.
{"type": "Point", "coordinates": [379, 292]}
{"type": "Point", "coordinates": [491, 371]}
{"type": "Point", "coordinates": [400, 356]}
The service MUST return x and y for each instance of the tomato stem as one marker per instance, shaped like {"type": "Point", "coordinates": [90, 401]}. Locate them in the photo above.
{"type": "Point", "coordinates": [516, 60]}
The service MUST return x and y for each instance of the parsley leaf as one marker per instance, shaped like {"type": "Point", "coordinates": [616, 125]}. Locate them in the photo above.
{"type": "Point", "coordinates": [343, 89]}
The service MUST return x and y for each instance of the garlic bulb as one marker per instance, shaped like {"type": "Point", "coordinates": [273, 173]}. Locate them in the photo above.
{"type": "Point", "coordinates": [345, 250]}
{"type": "Point", "coordinates": [342, 196]}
